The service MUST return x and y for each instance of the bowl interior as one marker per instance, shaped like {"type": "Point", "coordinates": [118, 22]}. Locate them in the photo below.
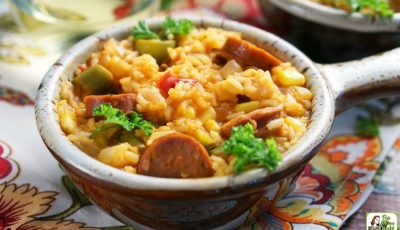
{"type": "Point", "coordinates": [337, 18]}
{"type": "Point", "coordinates": [57, 142]}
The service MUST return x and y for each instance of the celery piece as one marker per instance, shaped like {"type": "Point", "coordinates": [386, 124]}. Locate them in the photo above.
{"type": "Point", "coordinates": [109, 136]}
{"type": "Point", "coordinates": [130, 138]}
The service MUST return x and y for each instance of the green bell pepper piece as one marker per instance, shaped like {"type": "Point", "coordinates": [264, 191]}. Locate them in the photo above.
{"type": "Point", "coordinates": [154, 47]}
{"type": "Point", "coordinates": [94, 81]}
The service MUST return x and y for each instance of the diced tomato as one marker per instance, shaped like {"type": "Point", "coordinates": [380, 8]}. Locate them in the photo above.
{"type": "Point", "coordinates": [169, 81]}
{"type": "Point", "coordinates": [82, 68]}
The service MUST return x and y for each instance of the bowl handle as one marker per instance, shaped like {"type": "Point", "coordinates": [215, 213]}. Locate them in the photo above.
{"type": "Point", "coordinates": [357, 81]}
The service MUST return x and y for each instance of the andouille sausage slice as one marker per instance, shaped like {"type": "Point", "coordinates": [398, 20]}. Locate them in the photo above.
{"type": "Point", "coordinates": [258, 118]}
{"type": "Point", "coordinates": [175, 156]}
{"type": "Point", "coordinates": [249, 54]}
{"type": "Point", "coordinates": [125, 102]}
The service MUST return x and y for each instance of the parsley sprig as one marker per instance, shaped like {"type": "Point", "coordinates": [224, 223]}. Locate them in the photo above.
{"type": "Point", "coordinates": [142, 31]}
{"type": "Point", "coordinates": [250, 150]}
{"type": "Point", "coordinates": [177, 27]}
{"type": "Point", "coordinates": [169, 27]}
{"type": "Point", "coordinates": [367, 127]}
{"type": "Point", "coordinates": [372, 7]}
{"type": "Point", "coordinates": [138, 122]}
{"type": "Point", "coordinates": [115, 118]}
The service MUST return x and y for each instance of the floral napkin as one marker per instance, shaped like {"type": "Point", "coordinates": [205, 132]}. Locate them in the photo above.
{"type": "Point", "coordinates": [36, 194]}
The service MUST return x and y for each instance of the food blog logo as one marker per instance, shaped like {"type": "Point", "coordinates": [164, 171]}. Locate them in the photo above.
{"type": "Point", "coordinates": [381, 221]}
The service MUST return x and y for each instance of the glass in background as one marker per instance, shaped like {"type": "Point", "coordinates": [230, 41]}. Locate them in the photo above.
{"type": "Point", "coordinates": [78, 15]}
{"type": "Point", "coordinates": [56, 25]}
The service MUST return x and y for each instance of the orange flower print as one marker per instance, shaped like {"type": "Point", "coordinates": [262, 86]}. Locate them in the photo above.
{"type": "Point", "coordinates": [20, 205]}
{"type": "Point", "coordinates": [349, 162]}
{"type": "Point", "coordinates": [396, 145]}
{"type": "Point", "coordinates": [328, 187]}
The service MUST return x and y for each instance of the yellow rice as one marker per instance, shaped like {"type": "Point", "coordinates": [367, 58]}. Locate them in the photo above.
{"type": "Point", "coordinates": [193, 109]}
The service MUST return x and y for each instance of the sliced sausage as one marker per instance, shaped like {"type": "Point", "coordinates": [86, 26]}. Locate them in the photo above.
{"type": "Point", "coordinates": [248, 54]}
{"type": "Point", "coordinates": [175, 156]}
{"type": "Point", "coordinates": [124, 102]}
{"type": "Point", "coordinates": [258, 118]}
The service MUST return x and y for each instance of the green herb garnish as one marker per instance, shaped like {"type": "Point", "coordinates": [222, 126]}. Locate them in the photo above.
{"type": "Point", "coordinates": [138, 122]}
{"type": "Point", "coordinates": [367, 127]}
{"type": "Point", "coordinates": [166, 4]}
{"type": "Point", "coordinates": [250, 150]}
{"type": "Point", "coordinates": [142, 31]}
{"type": "Point", "coordinates": [169, 27]}
{"type": "Point", "coordinates": [115, 118]}
{"type": "Point", "coordinates": [372, 7]}
{"type": "Point", "coordinates": [177, 27]}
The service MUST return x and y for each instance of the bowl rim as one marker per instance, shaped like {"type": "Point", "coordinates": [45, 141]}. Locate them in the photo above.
{"type": "Point", "coordinates": [55, 139]}
{"type": "Point", "coordinates": [330, 16]}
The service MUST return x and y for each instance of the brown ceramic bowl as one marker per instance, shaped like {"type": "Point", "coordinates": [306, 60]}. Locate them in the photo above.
{"type": "Point", "coordinates": [206, 203]}
{"type": "Point", "coordinates": [328, 35]}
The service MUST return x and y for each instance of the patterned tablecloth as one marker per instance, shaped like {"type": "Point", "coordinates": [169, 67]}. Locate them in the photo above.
{"type": "Point", "coordinates": [337, 183]}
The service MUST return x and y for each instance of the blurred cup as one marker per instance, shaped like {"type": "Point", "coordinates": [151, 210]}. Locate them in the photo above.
{"type": "Point", "coordinates": [78, 15]}
{"type": "Point", "coordinates": [58, 24]}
